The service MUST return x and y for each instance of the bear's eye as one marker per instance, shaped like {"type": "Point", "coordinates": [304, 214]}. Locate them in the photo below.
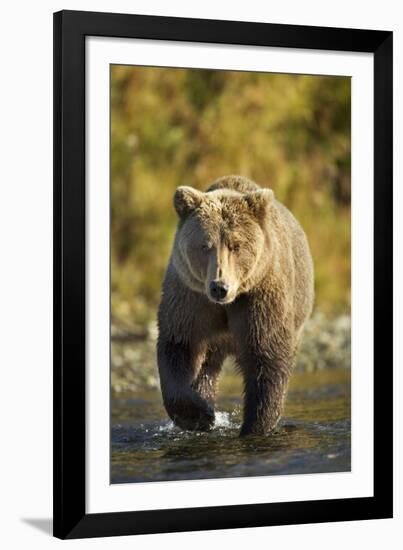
{"type": "Point", "coordinates": [236, 247]}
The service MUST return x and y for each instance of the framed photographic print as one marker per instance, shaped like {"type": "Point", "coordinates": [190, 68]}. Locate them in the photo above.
{"type": "Point", "coordinates": [223, 274]}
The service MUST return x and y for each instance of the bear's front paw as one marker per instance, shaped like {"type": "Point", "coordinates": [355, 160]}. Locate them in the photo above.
{"type": "Point", "coordinates": [189, 415]}
{"type": "Point", "coordinates": [258, 428]}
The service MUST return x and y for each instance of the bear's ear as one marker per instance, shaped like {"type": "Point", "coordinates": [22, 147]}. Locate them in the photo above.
{"type": "Point", "coordinates": [186, 200]}
{"type": "Point", "coordinates": [258, 201]}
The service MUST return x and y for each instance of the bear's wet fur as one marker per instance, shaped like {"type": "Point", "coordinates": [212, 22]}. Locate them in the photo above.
{"type": "Point", "coordinates": [239, 282]}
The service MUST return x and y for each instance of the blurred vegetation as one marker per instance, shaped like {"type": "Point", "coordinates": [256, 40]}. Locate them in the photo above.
{"type": "Point", "coordinates": [173, 127]}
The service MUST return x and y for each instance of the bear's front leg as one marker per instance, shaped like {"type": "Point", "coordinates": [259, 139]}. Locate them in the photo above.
{"type": "Point", "coordinates": [178, 366]}
{"type": "Point", "coordinates": [265, 384]}
{"type": "Point", "coordinates": [265, 355]}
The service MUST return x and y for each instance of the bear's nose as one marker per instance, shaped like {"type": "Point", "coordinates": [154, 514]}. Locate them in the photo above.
{"type": "Point", "coordinates": [218, 290]}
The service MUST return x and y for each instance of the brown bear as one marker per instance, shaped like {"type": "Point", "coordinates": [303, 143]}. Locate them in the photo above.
{"type": "Point", "coordinates": [239, 282]}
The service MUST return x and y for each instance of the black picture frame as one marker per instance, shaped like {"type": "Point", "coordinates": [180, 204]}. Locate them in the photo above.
{"type": "Point", "coordinates": [70, 517]}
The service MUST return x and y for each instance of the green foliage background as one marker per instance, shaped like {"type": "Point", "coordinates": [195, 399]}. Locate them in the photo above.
{"type": "Point", "coordinates": [173, 127]}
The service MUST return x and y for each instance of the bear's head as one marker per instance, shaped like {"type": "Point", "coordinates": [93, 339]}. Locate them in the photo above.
{"type": "Point", "coordinates": [220, 240]}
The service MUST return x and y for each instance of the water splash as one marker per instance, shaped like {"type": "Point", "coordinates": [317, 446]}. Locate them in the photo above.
{"type": "Point", "coordinates": [223, 420]}
{"type": "Point", "coordinates": [167, 426]}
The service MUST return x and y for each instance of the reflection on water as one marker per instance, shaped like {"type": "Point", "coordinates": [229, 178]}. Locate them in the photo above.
{"type": "Point", "coordinates": [313, 436]}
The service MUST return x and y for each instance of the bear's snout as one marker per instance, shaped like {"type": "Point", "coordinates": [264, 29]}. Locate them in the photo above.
{"type": "Point", "coordinates": [218, 290]}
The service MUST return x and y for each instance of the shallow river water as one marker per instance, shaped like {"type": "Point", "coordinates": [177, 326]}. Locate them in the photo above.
{"type": "Point", "coordinates": [313, 436]}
